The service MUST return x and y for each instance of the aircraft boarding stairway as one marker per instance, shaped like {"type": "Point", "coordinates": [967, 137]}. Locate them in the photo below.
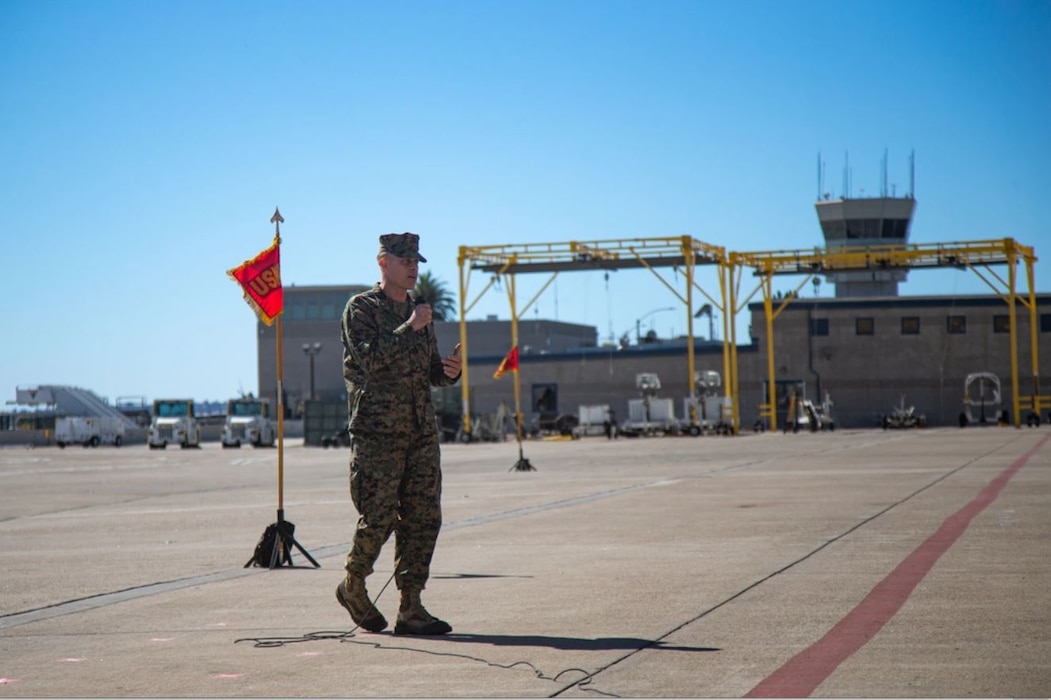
{"type": "Point", "coordinates": [74, 401]}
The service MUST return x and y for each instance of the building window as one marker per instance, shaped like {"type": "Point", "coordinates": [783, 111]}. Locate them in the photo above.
{"type": "Point", "coordinates": [1045, 323]}
{"type": "Point", "coordinates": [956, 325]}
{"type": "Point", "coordinates": [1001, 323]}
{"type": "Point", "coordinates": [865, 326]}
{"type": "Point", "coordinates": [834, 229]}
{"type": "Point", "coordinates": [910, 325]}
{"type": "Point", "coordinates": [819, 326]}
{"type": "Point", "coordinates": [895, 228]}
{"type": "Point", "coordinates": [545, 398]}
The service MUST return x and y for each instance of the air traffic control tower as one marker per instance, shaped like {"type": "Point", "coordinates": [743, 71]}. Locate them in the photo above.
{"type": "Point", "coordinates": [865, 222]}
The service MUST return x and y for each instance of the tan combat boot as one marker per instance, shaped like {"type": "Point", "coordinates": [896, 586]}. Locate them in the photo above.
{"type": "Point", "coordinates": [352, 595]}
{"type": "Point", "coordinates": [413, 618]}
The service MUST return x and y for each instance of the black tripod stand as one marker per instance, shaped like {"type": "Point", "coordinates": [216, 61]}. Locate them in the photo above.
{"type": "Point", "coordinates": [275, 546]}
{"type": "Point", "coordinates": [523, 464]}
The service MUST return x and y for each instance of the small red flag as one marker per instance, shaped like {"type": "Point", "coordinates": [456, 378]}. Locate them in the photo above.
{"type": "Point", "coordinates": [509, 363]}
{"type": "Point", "coordinates": [260, 278]}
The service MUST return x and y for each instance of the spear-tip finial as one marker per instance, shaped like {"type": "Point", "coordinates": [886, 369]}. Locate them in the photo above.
{"type": "Point", "coordinates": [277, 220]}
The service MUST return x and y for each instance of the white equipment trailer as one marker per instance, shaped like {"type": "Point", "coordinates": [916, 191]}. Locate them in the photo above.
{"type": "Point", "coordinates": [709, 409]}
{"type": "Point", "coordinates": [649, 415]}
{"type": "Point", "coordinates": [593, 419]}
{"type": "Point", "coordinates": [173, 423]}
{"type": "Point", "coordinates": [248, 421]}
{"type": "Point", "coordinates": [89, 431]}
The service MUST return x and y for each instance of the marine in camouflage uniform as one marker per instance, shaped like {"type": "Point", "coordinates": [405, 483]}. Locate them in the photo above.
{"type": "Point", "coordinates": [395, 466]}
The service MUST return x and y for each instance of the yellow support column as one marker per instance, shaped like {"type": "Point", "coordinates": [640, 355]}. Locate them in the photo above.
{"type": "Point", "coordinates": [771, 389]}
{"type": "Point", "coordinates": [1012, 320]}
{"type": "Point", "coordinates": [688, 257]}
{"type": "Point", "coordinates": [1034, 332]}
{"type": "Point", "coordinates": [464, 392]}
{"type": "Point", "coordinates": [729, 365]}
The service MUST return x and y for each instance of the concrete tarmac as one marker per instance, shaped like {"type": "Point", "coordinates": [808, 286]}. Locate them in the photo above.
{"type": "Point", "coordinates": [861, 563]}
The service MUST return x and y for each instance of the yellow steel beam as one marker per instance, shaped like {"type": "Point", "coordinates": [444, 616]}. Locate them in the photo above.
{"type": "Point", "coordinates": [907, 256]}
{"type": "Point", "coordinates": [612, 254]}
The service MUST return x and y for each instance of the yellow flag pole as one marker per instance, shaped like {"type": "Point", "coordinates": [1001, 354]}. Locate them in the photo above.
{"type": "Point", "coordinates": [276, 219]}
{"type": "Point", "coordinates": [280, 427]}
{"type": "Point", "coordinates": [523, 464]}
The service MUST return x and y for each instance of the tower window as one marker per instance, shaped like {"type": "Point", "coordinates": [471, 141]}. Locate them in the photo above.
{"type": "Point", "coordinates": [834, 229]}
{"type": "Point", "coordinates": [956, 325]}
{"type": "Point", "coordinates": [1001, 323]}
{"type": "Point", "coordinates": [894, 228]}
{"type": "Point", "coordinates": [910, 325]}
{"type": "Point", "coordinates": [863, 228]}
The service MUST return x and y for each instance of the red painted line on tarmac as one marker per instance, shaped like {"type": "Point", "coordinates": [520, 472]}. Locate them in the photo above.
{"type": "Point", "coordinates": [804, 672]}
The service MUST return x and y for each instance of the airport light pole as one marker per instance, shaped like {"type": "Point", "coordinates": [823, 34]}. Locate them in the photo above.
{"type": "Point", "coordinates": [311, 350]}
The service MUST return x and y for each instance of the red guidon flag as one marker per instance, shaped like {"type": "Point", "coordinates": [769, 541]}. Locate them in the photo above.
{"type": "Point", "coordinates": [260, 278]}
{"type": "Point", "coordinates": [509, 363]}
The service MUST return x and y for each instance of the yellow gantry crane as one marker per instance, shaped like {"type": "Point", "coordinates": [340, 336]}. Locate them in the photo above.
{"type": "Point", "coordinates": [978, 256]}
{"type": "Point", "coordinates": [504, 262]}
{"type": "Point", "coordinates": [507, 261]}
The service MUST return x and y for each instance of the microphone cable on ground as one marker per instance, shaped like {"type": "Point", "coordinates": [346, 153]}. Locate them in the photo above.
{"type": "Point", "coordinates": [348, 636]}
{"type": "Point", "coordinates": [271, 642]}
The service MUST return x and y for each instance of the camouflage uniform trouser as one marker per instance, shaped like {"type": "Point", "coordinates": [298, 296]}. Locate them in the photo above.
{"type": "Point", "coordinates": [396, 486]}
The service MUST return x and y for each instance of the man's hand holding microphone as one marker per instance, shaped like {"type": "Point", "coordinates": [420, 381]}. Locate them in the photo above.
{"type": "Point", "coordinates": [421, 318]}
{"type": "Point", "coordinates": [422, 314]}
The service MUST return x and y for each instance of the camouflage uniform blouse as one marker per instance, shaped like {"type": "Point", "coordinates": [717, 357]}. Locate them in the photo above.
{"type": "Point", "coordinates": [388, 367]}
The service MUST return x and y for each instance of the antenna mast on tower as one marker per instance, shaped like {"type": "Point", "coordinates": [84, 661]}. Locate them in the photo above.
{"type": "Point", "coordinates": [883, 179]}
{"type": "Point", "coordinates": [912, 174]}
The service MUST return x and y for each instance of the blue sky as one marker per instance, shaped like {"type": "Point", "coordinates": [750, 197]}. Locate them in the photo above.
{"type": "Point", "coordinates": [145, 145]}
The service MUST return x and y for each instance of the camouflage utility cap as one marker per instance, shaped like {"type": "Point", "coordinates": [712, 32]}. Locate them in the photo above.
{"type": "Point", "coordinates": [403, 245]}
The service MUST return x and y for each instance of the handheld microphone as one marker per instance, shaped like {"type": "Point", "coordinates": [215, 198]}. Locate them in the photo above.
{"type": "Point", "coordinates": [417, 300]}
